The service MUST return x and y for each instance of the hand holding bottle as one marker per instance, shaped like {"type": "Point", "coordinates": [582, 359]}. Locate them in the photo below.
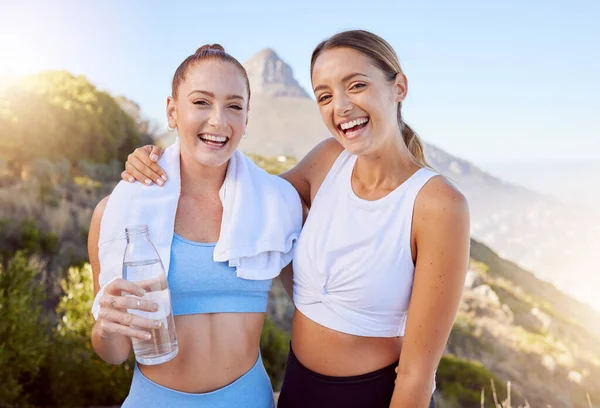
{"type": "Point", "coordinates": [114, 317]}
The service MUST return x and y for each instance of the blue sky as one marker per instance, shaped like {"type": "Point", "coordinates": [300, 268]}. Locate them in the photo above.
{"type": "Point", "coordinates": [489, 81]}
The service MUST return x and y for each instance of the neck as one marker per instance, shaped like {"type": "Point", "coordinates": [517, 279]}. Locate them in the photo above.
{"type": "Point", "coordinates": [386, 167]}
{"type": "Point", "coordinates": [199, 179]}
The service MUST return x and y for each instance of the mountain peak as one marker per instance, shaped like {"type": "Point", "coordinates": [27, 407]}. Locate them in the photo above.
{"type": "Point", "coordinates": [265, 53]}
{"type": "Point", "coordinates": [269, 75]}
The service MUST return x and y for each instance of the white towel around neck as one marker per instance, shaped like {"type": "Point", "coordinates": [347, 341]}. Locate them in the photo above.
{"type": "Point", "coordinates": [262, 219]}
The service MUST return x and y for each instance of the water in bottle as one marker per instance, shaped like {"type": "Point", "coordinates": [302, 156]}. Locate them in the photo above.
{"type": "Point", "coordinates": [142, 266]}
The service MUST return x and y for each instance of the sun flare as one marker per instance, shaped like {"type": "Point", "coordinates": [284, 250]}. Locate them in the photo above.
{"type": "Point", "coordinates": [18, 57]}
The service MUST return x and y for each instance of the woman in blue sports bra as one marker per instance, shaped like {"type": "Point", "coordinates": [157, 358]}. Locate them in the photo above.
{"type": "Point", "coordinates": [380, 264]}
{"type": "Point", "coordinates": [218, 316]}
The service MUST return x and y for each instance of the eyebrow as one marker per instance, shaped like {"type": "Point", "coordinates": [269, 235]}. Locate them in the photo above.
{"type": "Point", "coordinates": [212, 95]}
{"type": "Point", "coordinates": [344, 79]}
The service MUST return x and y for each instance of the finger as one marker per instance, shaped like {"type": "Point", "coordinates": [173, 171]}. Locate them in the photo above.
{"type": "Point", "coordinates": [146, 157]}
{"type": "Point", "coordinates": [128, 319]}
{"type": "Point", "coordinates": [156, 153]}
{"type": "Point", "coordinates": [136, 174]}
{"type": "Point", "coordinates": [128, 302]}
{"type": "Point", "coordinates": [152, 285]}
{"type": "Point", "coordinates": [143, 167]}
{"type": "Point", "coordinates": [116, 287]}
{"type": "Point", "coordinates": [108, 328]}
{"type": "Point", "coordinates": [127, 177]}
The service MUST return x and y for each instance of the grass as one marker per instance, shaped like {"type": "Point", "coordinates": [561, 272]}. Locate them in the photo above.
{"type": "Point", "coordinates": [507, 403]}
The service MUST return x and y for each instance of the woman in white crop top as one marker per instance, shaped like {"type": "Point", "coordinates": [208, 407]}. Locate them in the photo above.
{"type": "Point", "coordinates": [380, 264]}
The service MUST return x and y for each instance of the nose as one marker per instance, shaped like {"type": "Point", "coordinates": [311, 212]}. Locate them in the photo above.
{"type": "Point", "coordinates": [217, 118]}
{"type": "Point", "coordinates": [341, 105]}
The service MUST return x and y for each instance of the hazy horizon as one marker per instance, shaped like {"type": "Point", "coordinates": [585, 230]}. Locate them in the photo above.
{"type": "Point", "coordinates": [487, 82]}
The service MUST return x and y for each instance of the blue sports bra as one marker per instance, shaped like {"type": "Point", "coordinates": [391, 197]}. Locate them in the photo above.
{"type": "Point", "coordinates": [200, 285]}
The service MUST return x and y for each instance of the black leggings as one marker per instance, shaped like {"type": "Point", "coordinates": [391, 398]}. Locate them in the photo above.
{"type": "Point", "coordinates": [303, 388]}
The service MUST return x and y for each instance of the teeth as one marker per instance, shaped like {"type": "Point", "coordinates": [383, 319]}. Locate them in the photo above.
{"type": "Point", "coordinates": [355, 122]}
{"type": "Point", "coordinates": [220, 139]}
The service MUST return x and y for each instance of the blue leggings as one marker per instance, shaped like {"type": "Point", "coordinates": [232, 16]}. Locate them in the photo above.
{"type": "Point", "coordinates": [251, 390]}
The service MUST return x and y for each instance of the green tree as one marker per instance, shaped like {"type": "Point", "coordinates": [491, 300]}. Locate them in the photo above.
{"type": "Point", "coordinates": [23, 335]}
{"type": "Point", "coordinates": [25, 236]}
{"type": "Point", "coordinates": [57, 115]}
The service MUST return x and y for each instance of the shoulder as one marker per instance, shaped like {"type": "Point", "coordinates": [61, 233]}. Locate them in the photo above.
{"type": "Point", "coordinates": [94, 237]}
{"type": "Point", "coordinates": [94, 232]}
{"type": "Point", "coordinates": [310, 172]}
{"type": "Point", "coordinates": [99, 210]}
{"type": "Point", "coordinates": [440, 201]}
{"type": "Point", "coordinates": [323, 155]}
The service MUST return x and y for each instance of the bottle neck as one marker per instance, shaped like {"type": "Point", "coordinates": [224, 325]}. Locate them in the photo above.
{"type": "Point", "coordinates": [139, 246]}
{"type": "Point", "coordinates": [136, 233]}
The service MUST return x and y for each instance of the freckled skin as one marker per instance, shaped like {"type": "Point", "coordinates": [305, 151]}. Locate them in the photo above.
{"type": "Point", "coordinates": [214, 348]}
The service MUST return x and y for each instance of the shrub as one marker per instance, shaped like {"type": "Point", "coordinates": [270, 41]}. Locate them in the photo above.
{"type": "Point", "coordinates": [23, 333]}
{"type": "Point", "coordinates": [460, 382]}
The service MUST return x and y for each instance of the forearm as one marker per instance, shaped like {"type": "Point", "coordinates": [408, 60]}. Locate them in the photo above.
{"type": "Point", "coordinates": [412, 391]}
{"type": "Point", "coordinates": [114, 349]}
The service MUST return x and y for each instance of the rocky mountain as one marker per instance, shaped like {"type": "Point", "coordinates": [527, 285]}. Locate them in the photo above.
{"type": "Point", "coordinates": [270, 76]}
{"type": "Point", "coordinates": [526, 331]}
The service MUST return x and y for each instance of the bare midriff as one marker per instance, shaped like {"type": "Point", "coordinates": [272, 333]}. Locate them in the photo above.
{"type": "Point", "coordinates": [215, 349]}
{"type": "Point", "coordinates": [330, 352]}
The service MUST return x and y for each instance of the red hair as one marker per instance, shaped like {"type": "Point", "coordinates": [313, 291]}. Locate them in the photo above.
{"type": "Point", "coordinates": [205, 53]}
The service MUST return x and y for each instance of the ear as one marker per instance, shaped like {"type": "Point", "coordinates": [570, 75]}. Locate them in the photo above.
{"type": "Point", "coordinates": [171, 112]}
{"type": "Point", "coordinates": [400, 87]}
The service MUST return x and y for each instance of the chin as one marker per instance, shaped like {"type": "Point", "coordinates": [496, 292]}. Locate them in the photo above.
{"type": "Point", "coordinates": [356, 147]}
{"type": "Point", "coordinates": [212, 159]}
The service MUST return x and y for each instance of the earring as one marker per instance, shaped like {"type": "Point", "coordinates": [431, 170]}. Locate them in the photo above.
{"type": "Point", "coordinates": [170, 129]}
{"type": "Point", "coordinates": [245, 135]}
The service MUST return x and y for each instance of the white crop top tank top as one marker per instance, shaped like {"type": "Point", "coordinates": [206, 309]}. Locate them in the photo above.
{"type": "Point", "coordinates": [353, 268]}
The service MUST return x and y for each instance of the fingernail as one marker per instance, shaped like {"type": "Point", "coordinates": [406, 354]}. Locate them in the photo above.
{"type": "Point", "coordinates": [154, 307]}
{"type": "Point", "coordinates": [148, 181]}
{"type": "Point", "coordinates": [147, 336]}
{"type": "Point", "coordinates": [157, 324]}
{"type": "Point", "coordinates": [160, 182]}
{"type": "Point", "coordinates": [153, 157]}
{"type": "Point", "coordinates": [130, 179]}
{"type": "Point", "coordinates": [164, 177]}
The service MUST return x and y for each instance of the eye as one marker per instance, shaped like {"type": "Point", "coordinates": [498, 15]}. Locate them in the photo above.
{"type": "Point", "coordinates": [201, 103]}
{"type": "Point", "coordinates": [324, 98]}
{"type": "Point", "coordinates": [236, 107]}
{"type": "Point", "coordinates": [358, 85]}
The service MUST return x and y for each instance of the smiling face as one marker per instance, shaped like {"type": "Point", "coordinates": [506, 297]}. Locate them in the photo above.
{"type": "Point", "coordinates": [210, 111]}
{"type": "Point", "coordinates": [358, 103]}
